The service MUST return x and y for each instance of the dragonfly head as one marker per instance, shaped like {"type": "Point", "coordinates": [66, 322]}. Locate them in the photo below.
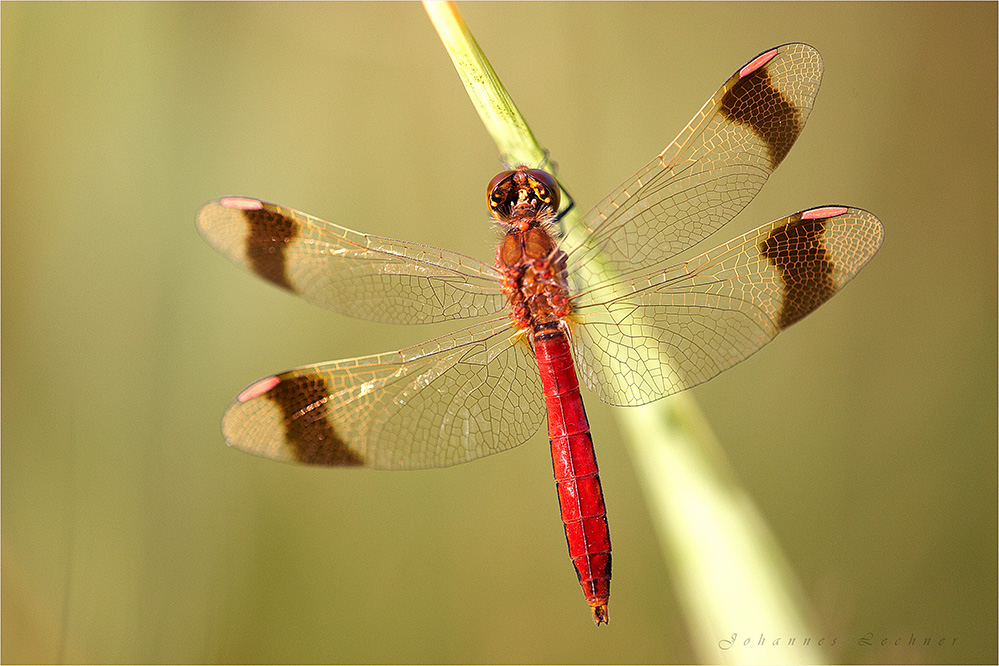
{"type": "Point", "coordinates": [519, 196]}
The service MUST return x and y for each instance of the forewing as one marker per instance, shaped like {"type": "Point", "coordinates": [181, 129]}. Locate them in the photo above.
{"type": "Point", "coordinates": [708, 174]}
{"type": "Point", "coordinates": [361, 275]}
{"type": "Point", "coordinates": [448, 401]}
{"type": "Point", "coordinates": [640, 340]}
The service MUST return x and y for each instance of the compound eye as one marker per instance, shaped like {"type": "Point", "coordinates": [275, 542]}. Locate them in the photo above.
{"type": "Point", "coordinates": [496, 182]}
{"type": "Point", "coordinates": [499, 191]}
{"type": "Point", "coordinates": [545, 187]}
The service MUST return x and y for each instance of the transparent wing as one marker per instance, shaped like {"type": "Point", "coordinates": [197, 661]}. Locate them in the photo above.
{"type": "Point", "coordinates": [361, 275]}
{"type": "Point", "coordinates": [642, 339]}
{"type": "Point", "coordinates": [447, 401]}
{"type": "Point", "coordinates": [708, 174]}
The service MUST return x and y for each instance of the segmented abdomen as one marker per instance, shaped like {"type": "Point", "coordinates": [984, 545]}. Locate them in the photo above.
{"type": "Point", "coordinates": [575, 466]}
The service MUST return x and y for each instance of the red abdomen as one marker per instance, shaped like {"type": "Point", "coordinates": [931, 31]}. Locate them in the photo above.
{"type": "Point", "coordinates": [575, 465]}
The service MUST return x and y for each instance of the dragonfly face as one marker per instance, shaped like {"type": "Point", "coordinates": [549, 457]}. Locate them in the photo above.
{"type": "Point", "coordinates": [645, 325]}
{"type": "Point", "coordinates": [516, 196]}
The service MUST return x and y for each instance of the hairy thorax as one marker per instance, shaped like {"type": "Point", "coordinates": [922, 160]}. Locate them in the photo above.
{"type": "Point", "coordinates": [533, 277]}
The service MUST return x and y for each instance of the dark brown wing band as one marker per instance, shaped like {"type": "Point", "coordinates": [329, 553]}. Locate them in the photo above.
{"type": "Point", "coordinates": [756, 103]}
{"type": "Point", "coordinates": [267, 238]}
{"type": "Point", "coordinates": [311, 438]}
{"type": "Point", "coordinates": [797, 250]}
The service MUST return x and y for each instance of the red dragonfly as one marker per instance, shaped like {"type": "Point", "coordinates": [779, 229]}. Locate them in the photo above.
{"type": "Point", "coordinates": [608, 297]}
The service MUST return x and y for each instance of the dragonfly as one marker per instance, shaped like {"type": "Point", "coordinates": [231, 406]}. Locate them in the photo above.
{"type": "Point", "coordinates": [608, 300]}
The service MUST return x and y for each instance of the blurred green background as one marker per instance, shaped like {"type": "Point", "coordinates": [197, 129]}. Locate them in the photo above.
{"type": "Point", "coordinates": [130, 533]}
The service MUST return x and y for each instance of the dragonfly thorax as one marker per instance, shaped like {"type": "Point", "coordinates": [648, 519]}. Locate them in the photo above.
{"type": "Point", "coordinates": [533, 277]}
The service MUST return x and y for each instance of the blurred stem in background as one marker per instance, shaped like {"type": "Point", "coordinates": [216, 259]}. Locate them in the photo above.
{"type": "Point", "coordinates": [729, 573]}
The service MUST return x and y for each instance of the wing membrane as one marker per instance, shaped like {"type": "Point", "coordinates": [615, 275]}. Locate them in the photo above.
{"type": "Point", "coordinates": [647, 338]}
{"type": "Point", "coordinates": [447, 401]}
{"type": "Point", "coordinates": [360, 275]}
{"type": "Point", "coordinates": [709, 173]}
